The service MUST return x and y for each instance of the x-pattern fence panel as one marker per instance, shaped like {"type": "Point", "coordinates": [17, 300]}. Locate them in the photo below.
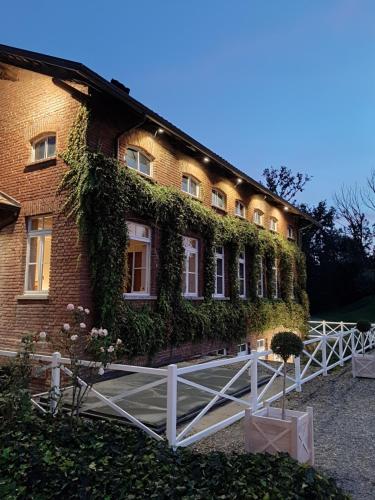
{"type": "Point", "coordinates": [328, 345]}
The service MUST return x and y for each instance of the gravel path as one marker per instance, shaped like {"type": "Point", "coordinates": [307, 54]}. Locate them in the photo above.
{"type": "Point", "coordinates": [344, 426]}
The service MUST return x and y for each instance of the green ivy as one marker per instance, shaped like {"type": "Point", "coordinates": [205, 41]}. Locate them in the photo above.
{"type": "Point", "coordinates": [102, 193]}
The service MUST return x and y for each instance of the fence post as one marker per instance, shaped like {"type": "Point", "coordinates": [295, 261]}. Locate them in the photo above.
{"type": "Point", "coordinates": [297, 370]}
{"type": "Point", "coordinates": [352, 338]}
{"type": "Point", "coordinates": [55, 382]}
{"type": "Point", "coordinates": [254, 380]}
{"type": "Point", "coordinates": [324, 323]}
{"type": "Point", "coordinates": [324, 354]}
{"type": "Point", "coordinates": [341, 352]}
{"type": "Point", "coordinates": [172, 405]}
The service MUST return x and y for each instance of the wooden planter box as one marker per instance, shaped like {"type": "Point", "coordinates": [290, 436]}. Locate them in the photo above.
{"type": "Point", "coordinates": [363, 366]}
{"type": "Point", "coordinates": [265, 432]}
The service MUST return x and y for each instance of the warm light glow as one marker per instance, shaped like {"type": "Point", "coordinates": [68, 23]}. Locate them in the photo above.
{"type": "Point", "coordinates": [206, 159]}
{"type": "Point", "coordinates": [286, 209]}
{"type": "Point", "coordinates": [160, 130]}
{"type": "Point", "coordinates": [239, 181]}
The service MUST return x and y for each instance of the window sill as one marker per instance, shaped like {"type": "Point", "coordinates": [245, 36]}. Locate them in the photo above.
{"type": "Point", "coordinates": [219, 297]}
{"type": "Point", "coordinates": [192, 297]}
{"type": "Point", "coordinates": [36, 296]}
{"type": "Point", "coordinates": [142, 174]}
{"type": "Point", "coordinates": [40, 164]}
{"type": "Point", "coordinates": [191, 196]}
{"type": "Point", "coordinates": [219, 209]}
{"type": "Point", "coordinates": [130, 296]}
{"type": "Point", "coordinates": [242, 217]}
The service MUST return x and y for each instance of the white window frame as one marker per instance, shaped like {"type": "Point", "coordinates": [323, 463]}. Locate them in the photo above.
{"type": "Point", "coordinates": [273, 224]}
{"type": "Point", "coordinates": [242, 260]}
{"type": "Point", "coordinates": [140, 151]}
{"type": "Point", "coordinates": [43, 138]}
{"type": "Point", "coordinates": [237, 212]}
{"type": "Point", "coordinates": [190, 179]}
{"type": "Point", "coordinates": [261, 345]}
{"type": "Point", "coordinates": [291, 235]}
{"type": "Point", "coordinates": [275, 276]}
{"type": "Point", "coordinates": [36, 233]}
{"type": "Point", "coordinates": [134, 237]}
{"type": "Point", "coordinates": [260, 282]}
{"type": "Point", "coordinates": [189, 250]}
{"type": "Point", "coordinates": [215, 196]}
{"type": "Point", "coordinates": [258, 217]}
{"type": "Point", "coordinates": [242, 349]}
{"type": "Point", "coordinates": [219, 256]}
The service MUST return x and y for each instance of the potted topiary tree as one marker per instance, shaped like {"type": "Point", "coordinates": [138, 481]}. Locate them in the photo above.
{"type": "Point", "coordinates": [363, 365]}
{"type": "Point", "coordinates": [274, 430]}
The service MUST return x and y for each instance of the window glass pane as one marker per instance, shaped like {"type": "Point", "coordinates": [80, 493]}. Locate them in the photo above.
{"type": "Point", "coordinates": [241, 270]}
{"type": "Point", "coordinates": [51, 146]}
{"type": "Point", "coordinates": [47, 222]}
{"type": "Point", "coordinates": [219, 250]}
{"type": "Point", "coordinates": [32, 283]}
{"type": "Point", "coordinates": [34, 250]}
{"type": "Point", "coordinates": [46, 262]}
{"type": "Point", "coordinates": [40, 149]}
{"type": "Point", "coordinates": [36, 223]}
{"type": "Point", "coordinates": [132, 158]}
{"type": "Point", "coordinates": [219, 267]}
{"type": "Point", "coordinates": [242, 287]}
{"type": "Point", "coordinates": [128, 286]}
{"type": "Point", "coordinates": [185, 182]}
{"type": "Point", "coordinates": [193, 188]}
{"type": "Point", "coordinates": [137, 267]}
{"type": "Point", "coordinates": [192, 263]}
{"type": "Point", "coordinates": [192, 284]}
{"type": "Point", "coordinates": [219, 285]}
{"type": "Point", "coordinates": [144, 164]}
{"type": "Point", "coordinates": [142, 231]}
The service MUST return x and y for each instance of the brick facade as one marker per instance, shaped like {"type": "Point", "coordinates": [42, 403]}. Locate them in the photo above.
{"type": "Point", "coordinates": [33, 104]}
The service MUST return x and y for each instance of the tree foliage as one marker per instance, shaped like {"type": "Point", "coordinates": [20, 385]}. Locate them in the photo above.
{"type": "Point", "coordinates": [283, 182]}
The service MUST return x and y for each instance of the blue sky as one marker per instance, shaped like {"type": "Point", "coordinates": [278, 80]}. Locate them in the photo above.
{"type": "Point", "coordinates": [276, 82]}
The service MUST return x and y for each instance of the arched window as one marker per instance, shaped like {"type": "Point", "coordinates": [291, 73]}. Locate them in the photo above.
{"type": "Point", "coordinates": [44, 147]}
{"type": "Point", "coordinates": [240, 209]}
{"type": "Point", "coordinates": [218, 200]}
{"type": "Point", "coordinates": [136, 159]}
{"type": "Point", "coordinates": [190, 185]}
{"type": "Point", "coordinates": [258, 217]}
{"type": "Point", "coordinates": [273, 224]}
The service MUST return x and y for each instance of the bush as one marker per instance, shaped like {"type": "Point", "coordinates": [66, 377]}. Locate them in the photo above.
{"type": "Point", "coordinates": [43, 458]}
{"type": "Point", "coordinates": [363, 326]}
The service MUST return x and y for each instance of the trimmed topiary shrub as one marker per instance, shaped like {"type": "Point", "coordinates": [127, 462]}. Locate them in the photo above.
{"type": "Point", "coordinates": [286, 344]}
{"type": "Point", "coordinates": [48, 459]}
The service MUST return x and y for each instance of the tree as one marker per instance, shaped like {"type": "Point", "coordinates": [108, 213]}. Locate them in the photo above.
{"type": "Point", "coordinates": [283, 182]}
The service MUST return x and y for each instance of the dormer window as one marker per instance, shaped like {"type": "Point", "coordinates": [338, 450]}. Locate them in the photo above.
{"type": "Point", "coordinates": [240, 210]}
{"type": "Point", "coordinates": [44, 148]}
{"type": "Point", "coordinates": [138, 161]}
{"type": "Point", "coordinates": [273, 224]}
{"type": "Point", "coordinates": [218, 199]}
{"type": "Point", "coordinates": [258, 217]}
{"type": "Point", "coordinates": [190, 185]}
{"type": "Point", "coordinates": [291, 232]}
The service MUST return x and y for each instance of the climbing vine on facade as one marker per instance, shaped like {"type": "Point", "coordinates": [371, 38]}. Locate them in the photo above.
{"type": "Point", "coordinates": [101, 193]}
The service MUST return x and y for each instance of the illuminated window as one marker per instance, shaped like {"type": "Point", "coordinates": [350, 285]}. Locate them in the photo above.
{"type": "Point", "coordinates": [261, 345]}
{"type": "Point", "coordinates": [219, 277]}
{"type": "Point", "coordinates": [218, 199]}
{"type": "Point", "coordinates": [38, 254]}
{"type": "Point", "coordinates": [260, 282]}
{"type": "Point", "coordinates": [240, 210]}
{"type": "Point", "coordinates": [190, 271]}
{"type": "Point", "coordinates": [138, 161]}
{"type": "Point", "coordinates": [44, 148]}
{"type": "Point", "coordinates": [190, 186]}
{"type": "Point", "coordinates": [273, 224]}
{"type": "Point", "coordinates": [241, 274]}
{"type": "Point", "coordinates": [138, 281]}
{"type": "Point", "coordinates": [258, 217]}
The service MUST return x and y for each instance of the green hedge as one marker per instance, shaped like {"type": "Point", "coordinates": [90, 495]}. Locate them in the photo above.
{"type": "Point", "coordinates": [41, 459]}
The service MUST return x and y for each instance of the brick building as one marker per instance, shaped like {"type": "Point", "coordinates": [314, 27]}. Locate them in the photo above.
{"type": "Point", "coordinates": [42, 263]}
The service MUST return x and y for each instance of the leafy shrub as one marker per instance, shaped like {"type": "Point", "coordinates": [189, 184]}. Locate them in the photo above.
{"type": "Point", "coordinates": [41, 459]}
{"type": "Point", "coordinates": [363, 326]}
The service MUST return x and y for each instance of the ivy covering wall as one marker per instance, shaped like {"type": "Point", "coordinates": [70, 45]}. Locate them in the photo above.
{"type": "Point", "coordinates": [101, 193]}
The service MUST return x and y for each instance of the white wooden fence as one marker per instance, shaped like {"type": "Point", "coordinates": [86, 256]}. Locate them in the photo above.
{"type": "Point", "coordinates": [330, 344]}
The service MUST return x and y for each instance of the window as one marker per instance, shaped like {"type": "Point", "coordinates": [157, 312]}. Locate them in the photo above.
{"type": "Point", "coordinates": [261, 345]}
{"type": "Point", "coordinates": [221, 352]}
{"type": "Point", "coordinates": [44, 148]}
{"type": "Point", "coordinates": [38, 254]}
{"type": "Point", "coordinates": [242, 349]}
{"type": "Point", "coordinates": [240, 209]}
{"type": "Point", "coordinates": [190, 273]}
{"type": "Point", "coordinates": [276, 279]}
{"type": "Point", "coordinates": [138, 161]}
{"type": "Point", "coordinates": [219, 278]}
{"type": "Point", "coordinates": [190, 186]}
{"type": "Point", "coordinates": [258, 217]}
{"type": "Point", "coordinates": [138, 281]}
{"type": "Point", "coordinates": [291, 232]}
{"type": "Point", "coordinates": [241, 274]}
{"type": "Point", "coordinates": [260, 283]}
{"type": "Point", "coordinates": [273, 224]}
{"type": "Point", "coordinates": [218, 199]}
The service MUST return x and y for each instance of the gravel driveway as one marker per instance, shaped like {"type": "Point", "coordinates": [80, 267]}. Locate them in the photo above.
{"type": "Point", "coordinates": [344, 426]}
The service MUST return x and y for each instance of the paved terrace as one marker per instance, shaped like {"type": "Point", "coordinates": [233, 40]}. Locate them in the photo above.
{"type": "Point", "coordinates": [344, 426]}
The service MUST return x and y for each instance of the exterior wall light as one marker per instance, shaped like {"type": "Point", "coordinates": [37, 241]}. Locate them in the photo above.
{"type": "Point", "coordinates": [206, 159]}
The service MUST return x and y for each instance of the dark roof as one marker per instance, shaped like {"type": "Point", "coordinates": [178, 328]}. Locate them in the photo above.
{"type": "Point", "coordinates": [70, 70]}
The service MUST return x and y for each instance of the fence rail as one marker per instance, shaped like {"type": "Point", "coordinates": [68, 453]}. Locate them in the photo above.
{"type": "Point", "coordinates": [329, 344]}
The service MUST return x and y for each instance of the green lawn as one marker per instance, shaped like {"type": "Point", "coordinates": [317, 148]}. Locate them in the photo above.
{"type": "Point", "coordinates": [361, 309]}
